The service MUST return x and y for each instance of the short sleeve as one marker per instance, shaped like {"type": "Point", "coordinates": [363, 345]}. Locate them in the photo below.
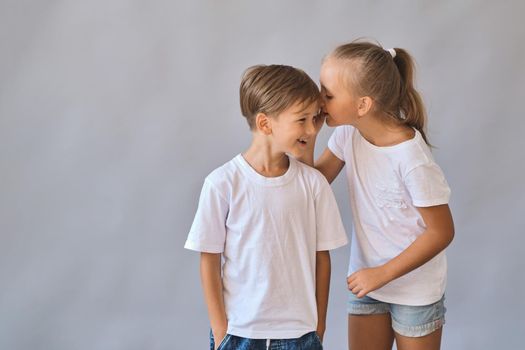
{"type": "Point", "coordinates": [337, 142]}
{"type": "Point", "coordinates": [427, 185]}
{"type": "Point", "coordinates": [208, 231]}
{"type": "Point", "coordinates": [330, 230]}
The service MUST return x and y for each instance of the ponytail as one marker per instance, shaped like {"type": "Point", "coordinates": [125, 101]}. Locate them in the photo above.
{"type": "Point", "coordinates": [388, 77]}
{"type": "Point", "coordinates": [410, 103]}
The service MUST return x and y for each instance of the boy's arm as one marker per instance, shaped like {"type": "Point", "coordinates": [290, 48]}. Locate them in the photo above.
{"type": "Point", "coordinates": [322, 289]}
{"type": "Point", "coordinates": [212, 285]}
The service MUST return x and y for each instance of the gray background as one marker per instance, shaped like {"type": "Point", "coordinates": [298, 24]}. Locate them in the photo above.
{"type": "Point", "coordinates": [113, 112]}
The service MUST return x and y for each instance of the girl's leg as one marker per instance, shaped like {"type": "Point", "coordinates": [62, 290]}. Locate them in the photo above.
{"type": "Point", "coordinates": [370, 332]}
{"type": "Point", "coordinates": [431, 341]}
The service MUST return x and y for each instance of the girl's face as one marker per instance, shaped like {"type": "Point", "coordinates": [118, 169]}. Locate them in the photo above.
{"type": "Point", "coordinates": [339, 103]}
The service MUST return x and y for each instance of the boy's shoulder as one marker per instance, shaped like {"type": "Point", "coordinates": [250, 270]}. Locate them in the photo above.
{"type": "Point", "coordinates": [311, 174]}
{"type": "Point", "coordinates": [224, 173]}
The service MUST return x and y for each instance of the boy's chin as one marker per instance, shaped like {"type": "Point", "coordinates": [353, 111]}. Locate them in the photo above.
{"type": "Point", "coordinates": [296, 153]}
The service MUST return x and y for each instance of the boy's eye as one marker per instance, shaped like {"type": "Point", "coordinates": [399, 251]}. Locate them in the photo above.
{"type": "Point", "coordinates": [328, 97]}
{"type": "Point", "coordinates": [302, 120]}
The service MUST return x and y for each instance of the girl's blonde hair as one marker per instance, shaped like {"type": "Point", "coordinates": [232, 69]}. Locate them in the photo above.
{"type": "Point", "coordinates": [388, 81]}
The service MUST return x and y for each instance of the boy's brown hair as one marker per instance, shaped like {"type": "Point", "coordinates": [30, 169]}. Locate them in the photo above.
{"type": "Point", "coordinates": [271, 89]}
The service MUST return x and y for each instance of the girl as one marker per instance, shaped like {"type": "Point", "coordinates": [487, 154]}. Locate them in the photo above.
{"type": "Point", "coordinates": [398, 196]}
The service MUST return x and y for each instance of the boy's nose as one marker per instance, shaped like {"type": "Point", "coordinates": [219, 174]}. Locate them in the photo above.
{"type": "Point", "coordinates": [310, 128]}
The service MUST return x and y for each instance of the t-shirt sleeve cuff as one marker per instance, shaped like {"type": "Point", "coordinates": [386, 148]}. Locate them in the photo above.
{"type": "Point", "coordinates": [431, 202]}
{"type": "Point", "coordinates": [333, 149]}
{"type": "Point", "coordinates": [205, 248]}
{"type": "Point", "coordinates": [332, 244]}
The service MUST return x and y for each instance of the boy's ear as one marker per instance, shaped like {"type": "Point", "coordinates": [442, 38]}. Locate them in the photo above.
{"type": "Point", "coordinates": [364, 105]}
{"type": "Point", "coordinates": [263, 123]}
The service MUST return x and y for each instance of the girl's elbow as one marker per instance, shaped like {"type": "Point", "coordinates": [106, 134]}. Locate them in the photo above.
{"type": "Point", "coordinates": [449, 236]}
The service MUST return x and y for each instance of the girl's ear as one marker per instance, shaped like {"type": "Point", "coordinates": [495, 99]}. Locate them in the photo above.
{"type": "Point", "coordinates": [364, 105]}
{"type": "Point", "coordinates": [263, 123]}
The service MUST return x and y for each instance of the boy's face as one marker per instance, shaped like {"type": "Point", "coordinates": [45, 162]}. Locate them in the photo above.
{"type": "Point", "coordinates": [294, 128]}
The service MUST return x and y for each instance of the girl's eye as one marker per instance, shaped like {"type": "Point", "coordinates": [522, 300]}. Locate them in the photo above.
{"type": "Point", "coordinates": [302, 120]}
{"type": "Point", "coordinates": [328, 97]}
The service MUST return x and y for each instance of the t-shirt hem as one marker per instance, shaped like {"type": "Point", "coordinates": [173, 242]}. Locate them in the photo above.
{"type": "Point", "coordinates": [332, 244]}
{"type": "Point", "coordinates": [409, 300]}
{"type": "Point", "coordinates": [205, 248]}
{"type": "Point", "coordinates": [286, 334]}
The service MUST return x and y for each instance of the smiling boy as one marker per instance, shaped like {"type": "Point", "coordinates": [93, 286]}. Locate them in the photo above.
{"type": "Point", "coordinates": [265, 223]}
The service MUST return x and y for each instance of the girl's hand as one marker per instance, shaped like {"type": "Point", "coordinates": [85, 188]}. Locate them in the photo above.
{"type": "Point", "coordinates": [367, 280]}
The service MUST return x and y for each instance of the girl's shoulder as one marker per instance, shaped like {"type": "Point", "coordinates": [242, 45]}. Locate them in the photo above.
{"type": "Point", "coordinates": [412, 154]}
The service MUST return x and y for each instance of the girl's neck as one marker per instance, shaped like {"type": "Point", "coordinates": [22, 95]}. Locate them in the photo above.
{"type": "Point", "coordinates": [382, 132]}
{"type": "Point", "coordinates": [264, 159]}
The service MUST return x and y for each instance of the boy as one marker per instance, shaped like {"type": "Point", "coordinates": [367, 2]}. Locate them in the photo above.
{"type": "Point", "coordinates": [272, 220]}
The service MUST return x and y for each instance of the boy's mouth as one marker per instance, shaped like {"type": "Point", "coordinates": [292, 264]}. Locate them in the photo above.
{"type": "Point", "coordinates": [302, 141]}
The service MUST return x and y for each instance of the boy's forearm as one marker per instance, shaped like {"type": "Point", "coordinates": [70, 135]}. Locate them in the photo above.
{"type": "Point", "coordinates": [212, 285]}
{"type": "Point", "coordinates": [322, 289]}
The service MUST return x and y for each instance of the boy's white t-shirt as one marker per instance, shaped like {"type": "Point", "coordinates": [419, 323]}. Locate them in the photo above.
{"type": "Point", "coordinates": [268, 231]}
{"type": "Point", "coordinates": [386, 184]}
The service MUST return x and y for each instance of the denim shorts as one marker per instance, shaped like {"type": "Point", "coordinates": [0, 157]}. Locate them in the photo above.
{"type": "Point", "coordinates": [232, 342]}
{"type": "Point", "coordinates": [409, 321]}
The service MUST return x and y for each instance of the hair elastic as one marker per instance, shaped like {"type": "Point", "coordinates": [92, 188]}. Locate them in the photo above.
{"type": "Point", "coordinates": [392, 52]}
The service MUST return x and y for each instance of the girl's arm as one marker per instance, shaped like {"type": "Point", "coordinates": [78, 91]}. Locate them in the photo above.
{"type": "Point", "coordinates": [322, 289]}
{"type": "Point", "coordinates": [437, 236]}
{"type": "Point", "coordinates": [329, 165]}
{"type": "Point", "coordinates": [212, 285]}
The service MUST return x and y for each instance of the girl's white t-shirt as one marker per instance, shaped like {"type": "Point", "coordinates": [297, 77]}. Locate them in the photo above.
{"type": "Point", "coordinates": [386, 184]}
{"type": "Point", "coordinates": [268, 231]}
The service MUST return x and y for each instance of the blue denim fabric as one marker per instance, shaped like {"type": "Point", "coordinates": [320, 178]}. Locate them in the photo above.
{"type": "Point", "coordinates": [309, 341]}
{"type": "Point", "coordinates": [407, 320]}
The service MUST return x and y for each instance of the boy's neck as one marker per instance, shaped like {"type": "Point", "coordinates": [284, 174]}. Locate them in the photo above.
{"type": "Point", "coordinates": [382, 133]}
{"type": "Point", "coordinates": [265, 160]}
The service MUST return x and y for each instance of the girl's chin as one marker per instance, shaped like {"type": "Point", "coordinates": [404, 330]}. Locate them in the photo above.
{"type": "Point", "coordinates": [330, 121]}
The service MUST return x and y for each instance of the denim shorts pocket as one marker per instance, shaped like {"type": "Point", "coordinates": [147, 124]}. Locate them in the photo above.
{"type": "Point", "coordinates": [224, 341]}
{"type": "Point", "coordinates": [319, 339]}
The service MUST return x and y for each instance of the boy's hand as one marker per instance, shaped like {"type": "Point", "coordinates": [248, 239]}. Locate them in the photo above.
{"type": "Point", "coordinates": [218, 337]}
{"type": "Point", "coordinates": [320, 333]}
{"type": "Point", "coordinates": [367, 280]}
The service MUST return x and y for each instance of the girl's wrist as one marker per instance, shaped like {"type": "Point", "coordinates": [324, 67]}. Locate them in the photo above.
{"type": "Point", "coordinates": [388, 272]}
